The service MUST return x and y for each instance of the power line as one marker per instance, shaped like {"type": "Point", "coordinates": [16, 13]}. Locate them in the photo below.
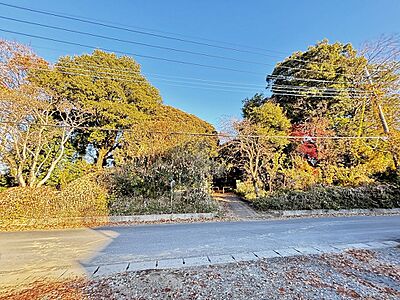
{"type": "Point", "coordinates": [231, 88]}
{"type": "Point", "coordinates": [88, 21]}
{"type": "Point", "coordinates": [316, 89]}
{"type": "Point", "coordinates": [142, 81]}
{"type": "Point", "coordinates": [79, 19]}
{"type": "Point", "coordinates": [203, 134]}
{"type": "Point", "coordinates": [129, 70]}
{"type": "Point", "coordinates": [61, 68]}
{"type": "Point", "coordinates": [225, 84]}
{"type": "Point", "coordinates": [313, 95]}
{"type": "Point", "coordinates": [129, 53]}
{"type": "Point", "coordinates": [289, 78]}
{"type": "Point", "coordinates": [161, 47]}
{"type": "Point", "coordinates": [294, 78]}
{"type": "Point", "coordinates": [133, 42]}
{"type": "Point", "coordinates": [269, 76]}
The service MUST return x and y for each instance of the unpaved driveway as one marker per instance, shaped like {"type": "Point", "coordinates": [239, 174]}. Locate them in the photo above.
{"type": "Point", "coordinates": [235, 207]}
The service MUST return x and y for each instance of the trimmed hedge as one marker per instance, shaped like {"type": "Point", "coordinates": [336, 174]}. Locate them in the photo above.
{"type": "Point", "coordinates": [78, 204]}
{"type": "Point", "coordinates": [191, 201]}
{"type": "Point", "coordinates": [333, 197]}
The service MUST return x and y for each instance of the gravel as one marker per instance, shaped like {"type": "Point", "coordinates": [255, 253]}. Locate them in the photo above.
{"type": "Point", "coordinates": [354, 274]}
{"type": "Point", "coordinates": [349, 275]}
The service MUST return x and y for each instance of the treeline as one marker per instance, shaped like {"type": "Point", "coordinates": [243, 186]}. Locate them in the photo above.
{"type": "Point", "coordinates": [96, 114]}
{"type": "Point", "coordinates": [90, 135]}
{"type": "Point", "coordinates": [321, 125]}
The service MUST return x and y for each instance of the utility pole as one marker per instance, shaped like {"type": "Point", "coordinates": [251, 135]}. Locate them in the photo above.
{"type": "Point", "coordinates": [382, 117]}
{"type": "Point", "coordinates": [380, 110]}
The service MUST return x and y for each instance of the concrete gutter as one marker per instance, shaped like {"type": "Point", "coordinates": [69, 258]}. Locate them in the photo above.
{"type": "Point", "coordinates": [322, 212]}
{"type": "Point", "coordinates": [103, 220]}
{"type": "Point", "coordinates": [163, 217]}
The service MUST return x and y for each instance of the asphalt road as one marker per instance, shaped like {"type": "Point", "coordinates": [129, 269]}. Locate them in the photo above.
{"type": "Point", "coordinates": [152, 242]}
{"type": "Point", "coordinates": [29, 256]}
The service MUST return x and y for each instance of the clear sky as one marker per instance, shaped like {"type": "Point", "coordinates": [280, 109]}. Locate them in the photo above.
{"type": "Point", "coordinates": [280, 26]}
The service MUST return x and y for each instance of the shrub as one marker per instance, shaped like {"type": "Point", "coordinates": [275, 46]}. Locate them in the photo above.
{"type": "Point", "coordinates": [246, 189]}
{"type": "Point", "coordinates": [144, 185]}
{"type": "Point", "coordinates": [333, 197]}
{"type": "Point", "coordinates": [190, 201]}
{"type": "Point", "coordinates": [46, 207]}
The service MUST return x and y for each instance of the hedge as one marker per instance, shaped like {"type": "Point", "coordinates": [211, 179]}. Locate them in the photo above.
{"type": "Point", "coordinates": [80, 203]}
{"type": "Point", "coordinates": [333, 197]}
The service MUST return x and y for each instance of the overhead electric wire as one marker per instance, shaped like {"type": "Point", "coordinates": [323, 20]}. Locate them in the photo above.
{"type": "Point", "coordinates": [133, 42]}
{"type": "Point", "coordinates": [160, 47]}
{"type": "Point", "coordinates": [224, 135]}
{"type": "Point", "coordinates": [123, 76]}
{"type": "Point", "coordinates": [231, 88]}
{"type": "Point", "coordinates": [129, 53]}
{"type": "Point", "coordinates": [312, 95]}
{"type": "Point", "coordinates": [315, 88]}
{"type": "Point", "coordinates": [200, 85]}
{"type": "Point", "coordinates": [234, 84]}
{"type": "Point", "coordinates": [129, 70]}
{"type": "Point", "coordinates": [289, 78]}
{"type": "Point", "coordinates": [80, 19]}
{"type": "Point", "coordinates": [98, 23]}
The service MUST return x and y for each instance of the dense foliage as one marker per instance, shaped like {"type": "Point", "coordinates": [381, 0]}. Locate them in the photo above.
{"type": "Point", "coordinates": [95, 114]}
{"type": "Point", "coordinates": [333, 197]}
{"type": "Point", "coordinates": [90, 135]}
{"type": "Point", "coordinates": [176, 181]}
{"type": "Point", "coordinates": [80, 203]}
{"type": "Point", "coordinates": [319, 98]}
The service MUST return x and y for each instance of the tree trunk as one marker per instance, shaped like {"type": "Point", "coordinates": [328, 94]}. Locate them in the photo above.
{"type": "Point", "coordinates": [101, 158]}
{"type": "Point", "coordinates": [255, 185]}
{"type": "Point", "coordinates": [21, 180]}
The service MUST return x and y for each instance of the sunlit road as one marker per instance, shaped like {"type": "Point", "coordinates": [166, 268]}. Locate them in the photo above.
{"type": "Point", "coordinates": [32, 255]}
{"type": "Point", "coordinates": [183, 240]}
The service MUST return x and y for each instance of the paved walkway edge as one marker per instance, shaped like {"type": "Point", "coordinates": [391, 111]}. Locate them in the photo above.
{"type": "Point", "coordinates": [322, 212]}
{"type": "Point", "coordinates": [184, 262]}
{"type": "Point", "coordinates": [150, 218]}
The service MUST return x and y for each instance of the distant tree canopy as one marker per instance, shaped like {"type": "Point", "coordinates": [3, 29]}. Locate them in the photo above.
{"type": "Point", "coordinates": [163, 130]}
{"type": "Point", "coordinates": [95, 105]}
{"type": "Point", "coordinates": [112, 91]}
{"type": "Point", "coordinates": [325, 92]}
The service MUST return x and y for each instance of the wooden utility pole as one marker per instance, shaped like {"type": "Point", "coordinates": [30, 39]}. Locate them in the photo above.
{"type": "Point", "coordinates": [385, 126]}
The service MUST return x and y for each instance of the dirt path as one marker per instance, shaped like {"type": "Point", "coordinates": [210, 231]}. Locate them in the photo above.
{"type": "Point", "coordinates": [236, 207]}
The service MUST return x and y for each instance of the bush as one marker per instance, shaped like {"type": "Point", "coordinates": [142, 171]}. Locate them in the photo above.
{"type": "Point", "coordinates": [191, 201]}
{"type": "Point", "coordinates": [144, 185]}
{"type": "Point", "coordinates": [246, 190]}
{"type": "Point", "coordinates": [45, 207]}
{"type": "Point", "coordinates": [333, 197]}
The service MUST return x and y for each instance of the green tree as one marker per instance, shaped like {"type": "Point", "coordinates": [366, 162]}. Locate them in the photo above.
{"type": "Point", "coordinates": [257, 141]}
{"type": "Point", "coordinates": [320, 82]}
{"type": "Point", "coordinates": [327, 86]}
{"type": "Point", "coordinates": [250, 103]}
{"type": "Point", "coordinates": [165, 129]}
{"type": "Point", "coordinates": [110, 88]}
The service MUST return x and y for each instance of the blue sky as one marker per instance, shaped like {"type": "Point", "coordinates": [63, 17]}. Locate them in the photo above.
{"type": "Point", "coordinates": [281, 26]}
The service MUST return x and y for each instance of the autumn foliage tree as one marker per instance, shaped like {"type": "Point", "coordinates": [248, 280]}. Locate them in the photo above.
{"type": "Point", "coordinates": [36, 125]}
{"type": "Point", "coordinates": [113, 91]}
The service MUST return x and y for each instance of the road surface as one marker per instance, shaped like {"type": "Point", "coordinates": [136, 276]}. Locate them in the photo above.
{"type": "Point", "coordinates": [150, 242]}
{"type": "Point", "coordinates": [26, 256]}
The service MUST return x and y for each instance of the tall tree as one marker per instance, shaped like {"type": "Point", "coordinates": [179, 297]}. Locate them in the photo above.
{"type": "Point", "coordinates": [112, 88]}
{"type": "Point", "coordinates": [329, 82]}
{"type": "Point", "coordinates": [36, 125]}
{"type": "Point", "coordinates": [258, 139]}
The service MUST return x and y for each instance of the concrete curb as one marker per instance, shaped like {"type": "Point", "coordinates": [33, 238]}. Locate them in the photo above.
{"type": "Point", "coordinates": [163, 217]}
{"type": "Point", "coordinates": [104, 220]}
{"type": "Point", "coordinates": [206, 260]}
{"type": "Point", "coordinates": [322, 212]}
